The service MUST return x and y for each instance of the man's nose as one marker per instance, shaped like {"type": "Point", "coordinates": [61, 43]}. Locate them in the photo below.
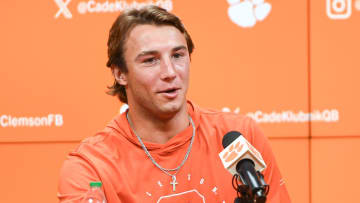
{"type": "Point", "coordinates": [168, 71]}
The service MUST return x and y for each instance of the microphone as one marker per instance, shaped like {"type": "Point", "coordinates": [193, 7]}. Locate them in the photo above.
{"type": "Point", "coordinates": [242, 160]}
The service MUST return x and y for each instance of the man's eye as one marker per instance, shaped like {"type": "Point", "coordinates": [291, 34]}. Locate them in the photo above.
{"type": "Point", "coordinates": [178, 55]}
{"type": "Point", "coordinates": [150, 60]}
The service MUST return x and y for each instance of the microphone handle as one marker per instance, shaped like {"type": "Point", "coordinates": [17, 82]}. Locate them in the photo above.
{"type": "Point", "coordinates": [242, 200]}
{"type": "Point", "coordinates": [249, 177]}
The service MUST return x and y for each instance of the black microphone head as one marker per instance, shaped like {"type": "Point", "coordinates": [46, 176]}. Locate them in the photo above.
{"type": "Point", "coordinates": [230, 137]}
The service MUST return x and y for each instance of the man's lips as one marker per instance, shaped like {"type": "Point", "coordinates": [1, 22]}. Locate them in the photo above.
{"type": "Point", "coordinates": [170, 93]}
{"type": "Point", "coordinates": [169, 90]}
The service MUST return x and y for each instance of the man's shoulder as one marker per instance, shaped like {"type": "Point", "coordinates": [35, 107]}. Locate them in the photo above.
{"type": "Point", "coordinates": [218, 122]}
{"type": "Point", "coordinates": [94, 144]}
{"type": "Point", "coordinates": [220, 116]}
{"type": "Point", "coordinates": [104, 141]}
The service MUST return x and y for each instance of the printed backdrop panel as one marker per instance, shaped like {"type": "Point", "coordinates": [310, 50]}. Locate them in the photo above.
{"type": "Point", "coordinates": [335, 66]}
{"type": "Point", "coordinates": [332, 163]}
{"type": "Point", "coordinates": [31, 171]}
{"type": "Point", "coordinates": [53, 74]}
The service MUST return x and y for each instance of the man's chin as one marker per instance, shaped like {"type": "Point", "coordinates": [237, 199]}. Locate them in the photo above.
{"type": "Point", "coordinates": [172, 108]}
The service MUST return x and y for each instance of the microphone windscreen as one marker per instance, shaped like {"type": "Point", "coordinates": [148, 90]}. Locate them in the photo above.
{"type": "Point", "coordinates": [230, 137]}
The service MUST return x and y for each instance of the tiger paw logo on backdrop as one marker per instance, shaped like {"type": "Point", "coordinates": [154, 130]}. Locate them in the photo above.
{"type": "Point", "coordinates": [246, 13]}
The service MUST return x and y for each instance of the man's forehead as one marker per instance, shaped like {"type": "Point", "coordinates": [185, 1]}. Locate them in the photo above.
{"type": "Point", "coordinates": [147, 37]}
{"type": "Point", "coordinates": [151, 27]}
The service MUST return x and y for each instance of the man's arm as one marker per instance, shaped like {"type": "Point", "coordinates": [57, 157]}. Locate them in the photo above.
{"type": "Point", "coordinates": [278, 192]}
{"type": "Point", "coordinates": [75, 176]}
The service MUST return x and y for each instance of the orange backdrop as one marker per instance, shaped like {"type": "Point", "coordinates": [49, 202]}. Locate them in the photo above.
{"type": "Point", "coordinates": [291, 65]}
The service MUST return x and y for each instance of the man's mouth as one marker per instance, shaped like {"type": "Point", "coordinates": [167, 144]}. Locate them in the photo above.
{"type": "Point", "coordinates": [170, 90]}
{"type": "Point", "coordinates": [170, 93]}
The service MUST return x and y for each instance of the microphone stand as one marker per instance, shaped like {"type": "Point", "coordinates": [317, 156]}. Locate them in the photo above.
{"type": "Point", "coordinates": [245, 194]}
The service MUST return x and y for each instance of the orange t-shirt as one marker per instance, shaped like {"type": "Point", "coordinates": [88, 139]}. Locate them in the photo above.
{"type": "Point", "coordinates": [115, 157]}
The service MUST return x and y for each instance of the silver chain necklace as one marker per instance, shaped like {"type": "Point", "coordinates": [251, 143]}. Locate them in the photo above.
{"type": "Point", "coordinates": [165, 170]}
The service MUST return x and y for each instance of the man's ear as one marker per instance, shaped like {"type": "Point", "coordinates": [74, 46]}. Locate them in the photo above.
{"type": "Point", "coordinates": [120, 76]}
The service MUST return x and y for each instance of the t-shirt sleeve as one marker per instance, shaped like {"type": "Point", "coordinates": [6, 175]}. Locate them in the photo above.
{"type": "Point", "coordinates": [278, 192]}
{"type": "Point", "coordinates": [75, 176]}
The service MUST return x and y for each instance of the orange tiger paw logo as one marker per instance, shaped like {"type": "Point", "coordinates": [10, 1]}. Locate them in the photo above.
{"type": "Point", "coordinates": [232, 153]}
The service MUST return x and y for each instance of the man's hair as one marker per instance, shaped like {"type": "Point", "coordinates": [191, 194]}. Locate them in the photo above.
{"type": "Point", "coordinates": [120, 30]}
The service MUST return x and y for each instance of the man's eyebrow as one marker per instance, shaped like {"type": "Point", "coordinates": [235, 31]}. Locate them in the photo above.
{"type": "Point", "coordinates": [144, 53]}
{"type": "Point", "coordinates": [179, 48]}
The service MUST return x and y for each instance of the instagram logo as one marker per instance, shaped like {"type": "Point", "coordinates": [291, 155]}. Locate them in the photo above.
{"type": "Point", "coordinates": [338, 9]}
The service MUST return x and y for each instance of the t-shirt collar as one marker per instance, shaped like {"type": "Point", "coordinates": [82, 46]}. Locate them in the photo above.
{"type": "Point", "coordinates": [122, 125]}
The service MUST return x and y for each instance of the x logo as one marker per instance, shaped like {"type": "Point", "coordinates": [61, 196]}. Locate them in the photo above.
{"type": "Point", "coordinates": [63, 8]}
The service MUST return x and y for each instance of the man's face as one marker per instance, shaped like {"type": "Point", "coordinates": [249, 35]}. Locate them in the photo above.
{"type": "Point", "coordinates": [158, 62]}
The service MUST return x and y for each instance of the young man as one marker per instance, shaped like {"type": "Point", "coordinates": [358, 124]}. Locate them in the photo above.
{"type": "Point", "coordinates": [164, 148]}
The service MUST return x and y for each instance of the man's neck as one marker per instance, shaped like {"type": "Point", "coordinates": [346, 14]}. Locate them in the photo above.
{"type": "Point", "coordinates": [157, 129]}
